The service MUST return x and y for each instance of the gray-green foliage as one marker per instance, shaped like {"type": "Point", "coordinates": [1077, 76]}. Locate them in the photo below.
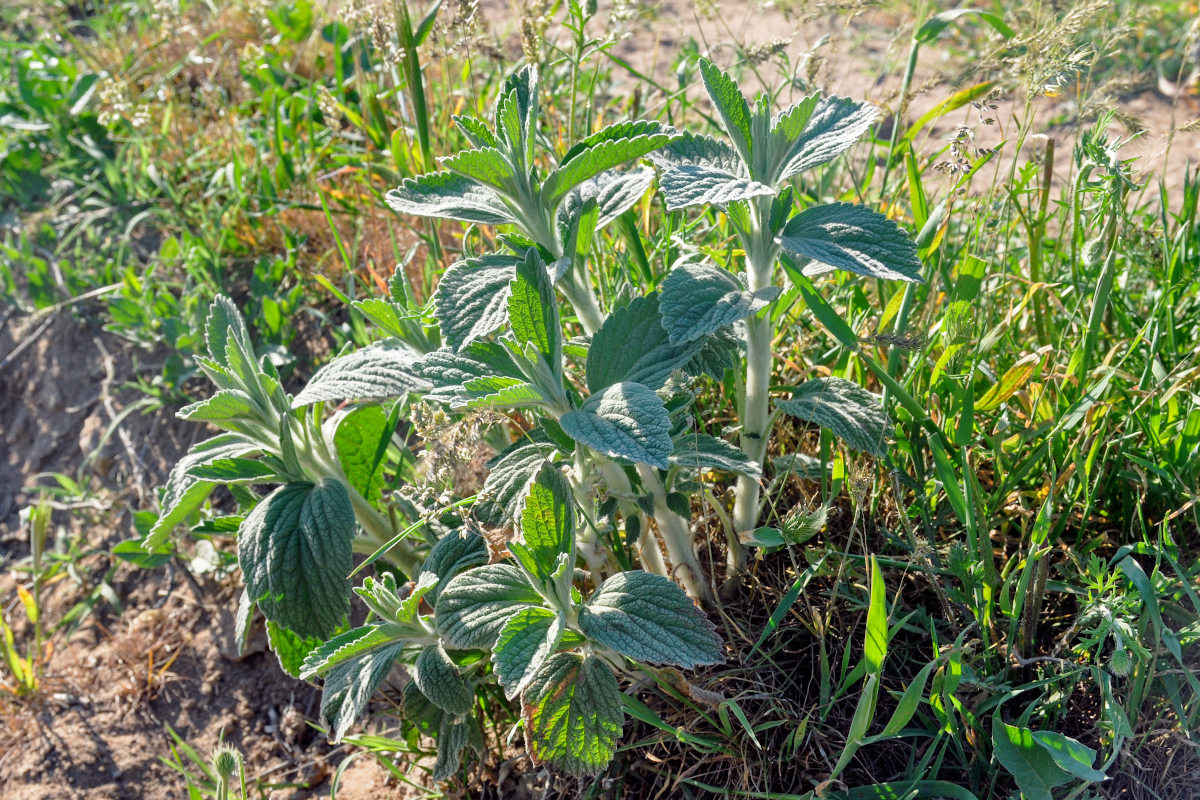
{"type": "Point", "coordinates": [540, 632]}
{"type": "Point", "coordinates": [611, 440]}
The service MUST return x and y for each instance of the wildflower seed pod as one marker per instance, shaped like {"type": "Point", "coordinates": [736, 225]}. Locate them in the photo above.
{"type": "Point", "coordinates": [1120, 663]}
{"type": "Point", "coordinates": [226, 763]}
{"type": "Point", "coordinates": [1093, 251]}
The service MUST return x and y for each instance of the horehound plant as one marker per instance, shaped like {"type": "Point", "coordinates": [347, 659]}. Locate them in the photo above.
{"type": "Point", "coordinates": [610, 446]}
{"type": "Point", "coordinates": [749, 177]}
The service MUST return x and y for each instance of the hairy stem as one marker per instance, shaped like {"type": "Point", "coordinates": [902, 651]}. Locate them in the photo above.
{"type": "Point", "coordinates": [761, 252]}
{"type": "Point", "coordinates": [677, 536]}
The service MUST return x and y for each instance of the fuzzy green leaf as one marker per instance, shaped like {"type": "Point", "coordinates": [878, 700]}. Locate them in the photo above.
{"type": "Point", "coordinates": [853, 238]}
{"type": "Point", "coordinates": [843, 407]}
{"type": "Point", "coordinates": [223, 406]}
{"type": "Point", "coordinates": [604, 154]}
{"type": "Point", "coordinates": [295, 552]}
{"type": "Point", "coordinates": [699, 299]}
{"type": "Point", "coordinates": [693, 184]}
{"type": "Point", "coordinates": [633, 346]}
{"type": "Point", "coordinates": [356, 440]}
{"type": "Point", "coordinates": [498, 392]}
{"type": "Point", "coordinates": [453, 553]}
{"type": "Point", "coordinates": [524, 644]}
{"type": "Point", "coordinates": [548, 520]}
{"type": "Point", "coordinates": [455, 734]}
{"type": "Point", "coordinates": [234, 470]}
{"type": "Point", "coordinates": [378, 371]}
{"type": "Point", "coordinates": [613, 191]}
{"type": "Point", "coordinates": [474, 605]}
{"type": "Point", "coordinates": [449, 371]}
{"type": "Point", "coordinates": [184, 493]}
{"type": "Point", "coordinates": [533, 309]}
{"type": "Point", "coordinates": [472, 297]}
{"type": "Point", "coordinates": [349, 686]}
{"type": "Point", "coordinates": [625, 420]}
{"type": "Point", "coordinates": [834, 125]}
{"type": "Point", "coordinates": [508, 475]}
{"type": "Point", "coordinates": [475, 130]}
{"type": "Point", "coordinates": [345, 646]}
{"type": "Point", "coordinates": [439, 680]}
{"type": "Point", "coordinates": [649, 618]}
{"type": "Point", "coordinates": [485, 164]}
{"type": "Point", "coordinates": [720, 352]}
{"type": "Point", "coordinates": [573, 714]}
{"type": "Point", "coordinates": [729, 102]}
{"type": "Point", "coordinates": [225, 328]}
{"type": "Point", "coordinates": [516, 113]}
{"type": "Point", "coordinates": [290, 648]}
{"type": "Point", "coordinates": [447, 195]}
{"type": "Point", "coordinates": [699, 451]}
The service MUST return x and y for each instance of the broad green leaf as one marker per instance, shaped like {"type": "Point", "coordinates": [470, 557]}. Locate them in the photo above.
{"type": "Point", "coordinates": [472, 297]}
{"type": "Point", "coordinates": [573, 714]}
{"type": "Point", "coordinates": [602, 151]}
{"type": "Point", "coordinates": [509, 473]}
{"type": "Point", "coordinates": [843, 407]}
{"type": "Point", "coordinates": [1034, 769]}
{"type": "Point", "coordinates": [695, 184]}
{"type": "Point", "coordinates": [836, 124]}
{"type": "Point", "coordinates": [524, 644]}
{"type": "Point", "coordinates": [295, 552]}
{"type": "Point", "coordinates": [356, 440]}
{"type": "Point", "coordinates": [699, 299]}
{"type": "Point", "coordinates": [234, 470]}
{"type": "Point", "coordinates": [349, 686]}
{"type": "Point", "coordinates": [649, 618]}
{"type": "Point", "coordinates": [378, 371]}
{"type": "Point", "coordinates": [447, 195]}
{"type": "Point", "coordinates": [533, 310]}
{"type": "Point", "coordinates": [345, 646]}
{"type": "Point", "coordinates": [853, 238]}
{"type": "Point", "coordinates": [386, 314]}
{"type": "Point", "coordinates": [613, 191]}
{"type": "Point", "coordinates": [455, 734]}
{"type": "Point", "coordinates": [703, 151]}
{"type": "Point", "coordinates": [475, 130]}
{"type": "Point", "coordinates": [184, 493]}
{"type": "Point", "coordinates": [439, 680]}
{"type": "Point", "coordinates": [788, 125]}
{"type": "Point", "coordinates": [701, 452]}
{"type": "Point", "coordinates": [289, 648]}
{"type": "Point", "coordinates": [720, 352]}
{"type": "Point", "coordinates": [225, 327]}
{"type": "Point", "coordinates": [1072, 755]}
{"type": "Point", "coordinates": [625, 420]}
{"type": "Point", "coordinates": [474, 605]}
{"type": "Point", "coordinates": [453, 553]}
{"type": "Point", "coordinates": [449, 371]}
{"type": "Point", "coordinates": [486, 165]}
{"type": "Point", "coordinates": [731, 105]}
{"type": "Point", "coordinates": [224, 406]}
{"type": "Point", "coordinates": [633, 346]}
{"type": "Point", "coordinates": [548, 520]}
{"type": "Point", "coordinates": [498, 392]}
{"type": "Point", "coordinates": [516, 113]}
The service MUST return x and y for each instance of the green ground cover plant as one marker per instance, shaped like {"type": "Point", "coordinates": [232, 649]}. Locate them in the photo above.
{"type": "Point", "coordinates": [812, 448]}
